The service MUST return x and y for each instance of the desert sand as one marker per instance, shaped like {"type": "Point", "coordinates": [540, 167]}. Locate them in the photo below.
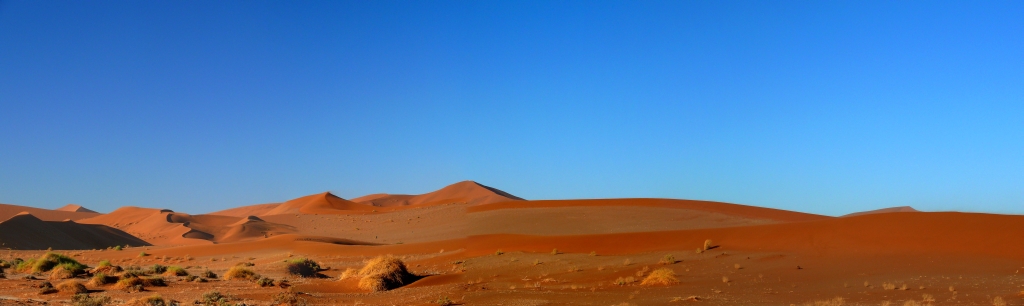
{"type": "Point", "coordinates": [471, 244]}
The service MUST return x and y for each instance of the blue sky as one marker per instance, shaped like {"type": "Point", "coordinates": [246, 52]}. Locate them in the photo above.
{"type": "Point", "coordinates": [826, 107]}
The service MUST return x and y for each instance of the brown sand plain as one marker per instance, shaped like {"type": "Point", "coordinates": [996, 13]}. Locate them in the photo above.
{"type": "Point", "coordinates": [477, 245]}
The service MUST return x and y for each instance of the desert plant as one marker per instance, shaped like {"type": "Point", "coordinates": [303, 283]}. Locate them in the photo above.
{"type": "Point", "coordinates": [663, 276]}
{"type": "Point", "coordinates": [349, 273]}
{"type": "Point", "coordinates": [152, 300]}
{"type": "Point", "coordinates": [46, 288]}
{"type": "Point", "coordinates": [911, 303]}
{"type": "Point", "coordinates": [214, 298]}
{"type": "Point", "coordinates": [208, 274]}
{"type": "Point", "coordinates": [498, 252]}
{"type": "Point", "coordinates": [175, 271]}
{"type": "Point", "coordinates": [998, 301]}
{"type": "Point", "coordinates": [289, 298]}
{"type": "Point", "coordinates": [667, 260]}
{"type": "Point", "coordinates": [927, 298]}
{"type": "Point", "coordinates": [622, 281]}
{"type": "Point", "coordinates": [242, 273]}
{"type": "Point", "coordinates": [888, 286]}
{"type": "Point", "coordinates": [130, 284]}
{"type": "Point", "coordinates": [707, 244]}
{"type": "Point", "coordinates": [725, 279]}
{"type": "Point", "coordinates": [554, 252]}
{"type": "Point", "coordinates": [153, 281]}
{"type": "Point", "coordinates": [100, 279]}
{"type": "Point", "coordinates": [143, 254]}
{"type": "Point", "coordinates": [60, 272]}
{"type": "Point", "coordinates": [71, 286]}
{"type": "Point", "coordinates": [302, 267]}
{"type": "Point", "coordinates": [444, 301]}
{"type": "Point", "coordinates": [118, 248]}
{"type": "Point", "coordinates": [84, 299]}
{"type": "Point", "coordinates": [51, 260]}
{"type": "Point", "coordinates": [383, 273]}
{"type": "Point", "coordinates": [156, 269]}
{"type": "Point", "coordinates": [265, 282]}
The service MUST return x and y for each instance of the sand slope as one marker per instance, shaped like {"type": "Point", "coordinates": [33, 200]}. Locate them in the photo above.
{"type": "Point", "coordinates": [76, 208]}
{"type": "Point", "coordinates": [165, 227]}
{"type": "Point", "coordinates": [737, 210]}
{"type": "Point", "coordinates": [884, 211]}
{"type": "Point", "coordinates": [467, 192]}
{"type": "Point", "coordinates": [245, 211]}
{"type": "Point", "coordinates": [7, 211]}
{"type": "Point", "coordinates": [25, 231]}
{"type": "Point", "coordinates": [321, 203]}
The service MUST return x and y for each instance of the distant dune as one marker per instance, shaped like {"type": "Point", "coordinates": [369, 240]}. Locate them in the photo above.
{"type": "Point", "coordinates": [75, 208]}
{"type": "Point", "coordinates": [884, 211]}
{"type": "Point", "coordinates": [245, 211]}
{"type": "Point", "coordinates": [465, 192]}
{"type": "Point", "coordinates": [8, 211]}
{"type": "Point", "coordinates": [25, 231]}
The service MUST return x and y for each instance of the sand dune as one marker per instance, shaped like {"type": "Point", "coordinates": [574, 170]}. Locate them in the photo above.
{"type": "Point", "coordinates": [165, 227]}
{"type": "Point", "coordinates": [466, 192]}
{"type": "Point", "coordinates": [321, 203]}
{"type": "Point", "coordinates": [245, 211]}
{"type": "Point", "coordinates": [753, 212]}
{"type": "Point", "coordinates": [25, 231]}
{"type": "Point", "coordinates": [8, 211]}
{"type": "Point", "coordinates": [884, 211]}
{"type": "Point", "coordinates": [75, 208]}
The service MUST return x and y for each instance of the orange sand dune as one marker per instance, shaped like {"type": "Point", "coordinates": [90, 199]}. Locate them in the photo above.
{"type": "Point", "coordinates": [467, 192]}
{"type": "Point", "coordinates": [76, 208]}
{"type": "Point", "coordinates": [25, 231]}
{"type": "Point", "coordinates": [883, 211]}
{"type": "Point", "coordinates": [7, 211]}
{"type": "Point", "coordinates": [709, 206]}
{"type": "Point", "coordinates": [905, 233]}
{"type": "Point", "coordinates": [249, 210]}
{"type": "Point", "coordinates": [165, 227]}
{"type": "Point", "coordinates": [151, 225]}
{"type": "Point", "coordinates": [321, 203]}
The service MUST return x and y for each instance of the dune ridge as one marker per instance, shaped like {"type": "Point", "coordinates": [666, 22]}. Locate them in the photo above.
{"type": "Point", "coordinates": [9, 210]}
{"type": "Point", "coordinates": [467, 192]}
{"type": "Point", "coordinates": [25, 232]}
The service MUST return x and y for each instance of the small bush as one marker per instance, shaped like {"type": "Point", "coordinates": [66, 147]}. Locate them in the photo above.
{"type": "Point", "coordinates": [154, 281]}
{"type": "Point", "coordinates": [212, 298]}
{"type": "Point", "coordinates": [46, 288]}
{"type": "Point", "coordinates": [998, 301]}
{"type": "Point", "coordinates": [383, 273]}
{"type": "Point", "coordinates": [554, 252]}
{"type": "Point", "coordinates": [349, 273]}
{"type": "Point", "coordinates": [152, 300]}
{"type": "Point", "coordinates": [118, 248]}
{"type": "Point", "coordinates": [51, 260]}
{"type": "Point", "coordinates": [84, 299]}
{"type": "Point", "coordinates": [242, 273]}
{"type": "Point", "coordinates": [156, 269]}
{"type": "Point", "coordinates": [289, 299]}
{"type": "Point", "coordinates": [208, 274]}
{"type": "Point", "coordinates": [100, 279]}
{"type": "Point", "coordinates": [175, 271]}
{"type": "Point", "coordinates": [130, 284]}
{"type": "Point", "coordinates": [663, 276]}
{"type": "Point", "coordinates": [622, 281]}
{"type": "Point", "coordinates": [59, 273]}
{"type": "Point", "coordinates": [302, 267]}
{"type": "Point", "coordinates": [143, 254]}
{"type": "Point", "coordinates": [444, 301]}
{"type": "Point", "coordinates": [707, 244]}
{"type": "Point", "coordinates": [265, 282]}
{"type": "Point", "coordinates": [71, 286]}
{"type": "Point", "coordinates": [667, 260]}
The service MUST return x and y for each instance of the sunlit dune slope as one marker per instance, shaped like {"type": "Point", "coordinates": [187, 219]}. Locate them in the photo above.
{"type": "Point", "coordinates": [25, 231]}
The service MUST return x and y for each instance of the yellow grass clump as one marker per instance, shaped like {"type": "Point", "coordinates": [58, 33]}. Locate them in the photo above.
{"type": "Point", "coordinates": [71, 287]}
{"type": "Point", "coordinates": [130, 284]}
{"type": "Point", "coordinates": [663, 276]}
{"type": "Point", "coordinates": [707, 244]}
{"type": "Point", "coordinates": [239, 272]}
{"type": "Point", "coordinates": [60, 273]}
{"type": "Point", "coordinates": [383, 273]}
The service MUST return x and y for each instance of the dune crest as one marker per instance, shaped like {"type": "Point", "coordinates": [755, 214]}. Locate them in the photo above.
{"type": "Point", "coordinates": [8, 210]}
{"type": "Point", "coordinates": [321, 203]}
{"type": "Point", "coordinates": [76, 208]}
{"type": "Point", "coordinates": [884, 211]}
{"type": "Point", "coordinates": [468, 192]}
{"type": "Point", "coordinates": [165, 227]}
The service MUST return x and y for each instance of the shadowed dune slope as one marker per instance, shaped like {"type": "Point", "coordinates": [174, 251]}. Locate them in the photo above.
{"type": "Point", "coordinates": [468, 192]}
{"type": "Point", "coordinates": [26, 232]}
{"type": "Point", "coordinates": [249, 210]}
{"type": "Point", "coordinates": [884, 211]}
{"type": "Point", "coordinates": [165, 227]}
{"type": "Point", "coordinates": [321, 203]}
{"type": "Point", "coordinates": [7, 211]}
{"type": "Point", "coordinates": [752, 212]}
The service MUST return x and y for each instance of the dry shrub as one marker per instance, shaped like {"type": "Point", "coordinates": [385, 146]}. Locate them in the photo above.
{"type": "Point", "coordinates": [383, 273]}
{"type": "Point", "coordinates": [663, 276]}
{"type": "Point", "coordinates": [725, 279]}
{"type": "Point", "coordinates": [302, 267]}
{"type": "Point", "coordinates": [107, 269]}
{"type": "Point", "coordinates": [175, 271]}
{"type": "Point", "coordinates": [60, 272]}
{"type": "Point", "coordinates": [288, 298]}
{"type": "Point", "coordinates": [998, 301]}
{"type": "Point", "coordinates": [84, 299]}
{"type": "Point", "coordinates": [622, 281]}
{"type": "Point", "coordinates": [130, 284]}
{"type": "Point", "coordinates": [667, 260]}
{"type": "Point", "coordinates": [911, 303]}
{"type": "Point", "coordinates": [72, 287]}
{"type": "Point", "coordinates": [831, 302]}
{"type": "Point", "coordinates": [238, 272]}
{"type": "Point", "coordinates": [152, 300]}
{"type": "Point", "coordinates": [927, 298]}
{"type": "Point", "coordinates": [155, 281]}
{"type": "Point", "coordinates": [707, 244]}
{"type": "Point", "coordinates": [888, 286]}
{"type": "Point", "coordinates": [100, 279]}
{"type": "Point", "coordinates": [643, 271]}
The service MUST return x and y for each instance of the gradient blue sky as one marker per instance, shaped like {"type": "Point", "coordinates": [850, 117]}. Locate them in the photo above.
{"type": "Point", "coordinates": [826, 107]}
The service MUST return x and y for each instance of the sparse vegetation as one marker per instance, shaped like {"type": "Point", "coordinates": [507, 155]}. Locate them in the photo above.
{"type": "Point", "coordinates": [498, 252]}
{"type": "Point", "coordinates": [152, 300]}
{"type": "Point", "coordinates": [383, 273]}
{"type": "Point", "coordinates": [838, 301]}
{"type": "Point", "coordinates": [130, 284]}
{"type": "Point", "coordinates": [265, 282]}
{"type": "Point", "coordinates": [302, 267]}
{"type": "Point", "coordinates": [49, 261]}
{"type": "Point", "coordinates": [668, 259]}
{"type": "Point", "coordinates": [208, 274]}
{"type": "Point", "coordinates": [240, 273]}
{"type": "Point", "coordinates": [214, 298]}
{"type": "Point", "coordinates": [100, 279]}
{"type": "Point", "coordinates": [663, 276]}
{"type": "Point", "coordinates": [554, 252]}
{"type": "Point", "coordinates": [72, 287]}
{"type": "Point", "coordinates": [118, 248]}
{"type": "Point", "coordinates": [175, 271]}
{"type": "Point", "coordinates": [143, 254]}
{"type": "Point", "coordinates": [707, 244]}
{"type": "Point", "coordinates": [622, 281]}
{"type": "Point", "coordinates": [444, 301]}
{"type": "Point", "coordinates": [289, 298]}
{"type": "Point", "coordinates": [998, 301]}
{"type": "Point", "coordinates": [84, 299]}
{"type": "Point", "coordinates": [888, 286]}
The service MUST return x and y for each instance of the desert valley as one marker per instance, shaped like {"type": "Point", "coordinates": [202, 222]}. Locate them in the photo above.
{"type": "Point", "coordinates": [470, 244]}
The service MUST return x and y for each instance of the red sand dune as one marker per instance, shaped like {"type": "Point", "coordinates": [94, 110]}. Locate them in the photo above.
{"type": "Point", "coordinates": [76, 208]}
{"type": "Point", "coordinates": [165, 227]}
{"type": "Point", "coordinates": [321, 203]}
{"type": "Point", "coordinates": [717, 207]}
{"type": "Point", "coordinates": [25, 231]}
{"type": "Point", "coordinates": [249, 210]}
{"type": "Point", "coordinates": [8, 211]}
{"type": "Point", "coordinates": [883, 211]}
{"type": "Point", "coordinates": [466, 192]}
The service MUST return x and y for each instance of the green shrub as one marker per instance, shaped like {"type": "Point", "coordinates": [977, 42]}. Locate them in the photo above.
{"type": "Point", "coordinates": [175, 271]}
{"type": "Point", "coordinates": [302, 267]}
{"type": "Point", "coordinates": [156, 269]}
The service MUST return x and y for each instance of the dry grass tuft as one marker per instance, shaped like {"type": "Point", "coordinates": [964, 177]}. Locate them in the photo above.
{"type": "Point", "coordinates": [152, 300]}
{"type": "Point", "coordinates": [130, 284]}
{"type": "Point", "coordinates": [100, 279]}
{"type": "Point", "coordinates": [239, 272]}
{"type": "Point", "coordinates": [667, 260]}
{"type": "Point", "coordinates": [349, 273]}
{"type": "Point", "coordinates": [622, 281]}
{"type": "Point", "coordinates": [383, 273]}
{"type": "Point", "coordinates": [302, 267]}
{"type": "Point", "coordinates": [60, 272]}
{"type": "Point", "coordinates": [663, 276]}
{"type": "Point", "coordinates": [71, 287]}
{"type": "Point", "coordinates": [888, 286]}
{"type": "Point", "coordinates": [175, 271]}
{"type": "Point", "coordinates": [998, 301]}
{"type": "Point", "coordinates": [707, 244]}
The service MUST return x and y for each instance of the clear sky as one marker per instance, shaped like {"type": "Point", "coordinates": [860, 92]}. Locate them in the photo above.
{"type": "Point", "coordinates": [826, 107]}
